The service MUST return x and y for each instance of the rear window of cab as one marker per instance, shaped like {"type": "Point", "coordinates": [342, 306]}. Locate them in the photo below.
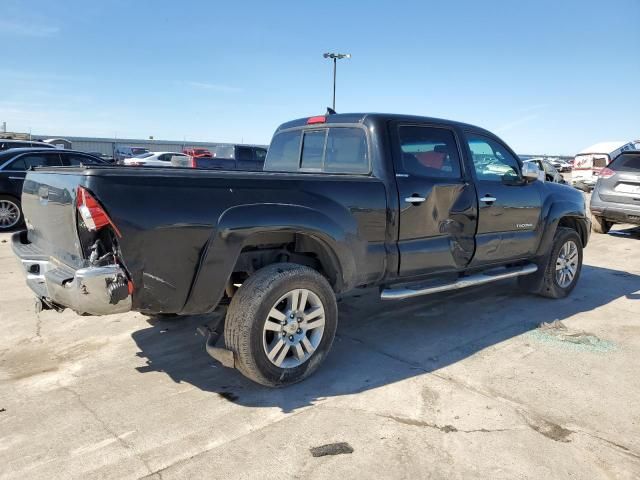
{"type": "Point", "coordinates": [328, 150]}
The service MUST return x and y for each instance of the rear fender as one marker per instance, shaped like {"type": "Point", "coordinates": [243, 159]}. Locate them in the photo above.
{"type": "Point", "coordinates": [235, 228]}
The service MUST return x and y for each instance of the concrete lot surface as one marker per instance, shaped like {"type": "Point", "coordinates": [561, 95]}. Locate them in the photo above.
{"type": "Point", "coordinates": [462, 385]}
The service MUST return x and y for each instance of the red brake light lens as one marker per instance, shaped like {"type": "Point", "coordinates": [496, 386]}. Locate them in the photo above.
{"type": "Point", "coordinates": [92, 213]}
{"type": "Point", "coordinates": [606, 173]}
{"type": "Point", "coordinates": [318, 119]}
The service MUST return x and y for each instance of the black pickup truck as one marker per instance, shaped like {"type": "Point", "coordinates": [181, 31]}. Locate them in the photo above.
{"type": "Point", "coordinates": [411, 205]}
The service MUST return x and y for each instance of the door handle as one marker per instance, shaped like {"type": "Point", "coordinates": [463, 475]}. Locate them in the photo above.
{"type": "Point", "coordinates": [414, 199]}
{"type": "Point", "coordinates": [488, 199]}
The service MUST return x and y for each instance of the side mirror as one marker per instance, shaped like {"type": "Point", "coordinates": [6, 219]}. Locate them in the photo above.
{"type": "Point", "coordinates": [530, 172]}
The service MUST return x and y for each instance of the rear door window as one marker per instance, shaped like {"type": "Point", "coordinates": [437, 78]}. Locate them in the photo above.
{"type": "Point", "coordinates": [429, 152]}
{"type": "Point", "coordinates": [42, 160]}
{"type": "Point", "coordinates": [75, 159]}
{"type": "Point", "coordinates": [17, 165]}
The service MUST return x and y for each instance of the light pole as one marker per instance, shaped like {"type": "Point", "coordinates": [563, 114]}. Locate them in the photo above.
{"type": "Point", "coordinates": [335, 57]}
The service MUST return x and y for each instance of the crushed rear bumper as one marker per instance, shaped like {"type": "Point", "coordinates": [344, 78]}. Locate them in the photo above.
{"type": "Point", "coordinates": [91, 290]}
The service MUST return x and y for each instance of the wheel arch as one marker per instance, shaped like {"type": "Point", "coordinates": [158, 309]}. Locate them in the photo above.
{"type": "Point", "coordinates": [250, 228]}
{"type": "Point", "coordinates": [564, 214]}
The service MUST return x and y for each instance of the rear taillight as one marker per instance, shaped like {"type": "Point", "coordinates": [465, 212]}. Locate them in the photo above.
{"type": "Point", "coordinates": [606, 173]}
{"type": "Point", "coordinates": [92, 213]}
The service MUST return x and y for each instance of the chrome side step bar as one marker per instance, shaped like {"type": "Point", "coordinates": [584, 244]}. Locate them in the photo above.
{"type": "Point", "coordinates": [463, 282]}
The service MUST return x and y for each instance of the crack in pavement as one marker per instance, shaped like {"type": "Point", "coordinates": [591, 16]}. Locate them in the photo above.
{"type": "Point", "coordinates": [443, 428]}
{"type": "Point", "coordinates": [624, 450]}
{"type": "Point", "coordinates": [106, 427]}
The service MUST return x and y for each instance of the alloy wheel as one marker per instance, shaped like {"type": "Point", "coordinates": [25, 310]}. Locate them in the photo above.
{"type": "Point", "coordinates": [9, 214]}
{"type": "Point", "coordinates": [567, 264]}
{"type": "Point", "coordinates": [293, 328]}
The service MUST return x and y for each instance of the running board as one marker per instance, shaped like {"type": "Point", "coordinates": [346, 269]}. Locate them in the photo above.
{"type": "Point", "coordinates": [463, 282]}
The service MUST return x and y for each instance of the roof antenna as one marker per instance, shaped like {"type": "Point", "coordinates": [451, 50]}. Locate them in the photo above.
{"type": "Point", "coordinates": [330, 111]}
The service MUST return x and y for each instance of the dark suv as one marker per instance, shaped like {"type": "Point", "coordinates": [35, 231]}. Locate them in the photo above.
{"type": "Point", "coordinates": [14, 164]}
{"type": "Point", "coordinates": [616, 196]}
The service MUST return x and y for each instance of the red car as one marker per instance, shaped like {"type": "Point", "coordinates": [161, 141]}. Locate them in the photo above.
{"type": "Point", "coordinates": [198, 152]}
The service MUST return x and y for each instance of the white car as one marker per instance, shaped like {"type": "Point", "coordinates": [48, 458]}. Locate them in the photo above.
{"type": "Point", "coordinates": [154, 159]}
{"type": "Point", "coordinates": [560, 165]}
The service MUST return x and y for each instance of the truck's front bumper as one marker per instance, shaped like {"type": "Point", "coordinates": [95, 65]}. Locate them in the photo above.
{"type": "Point", "coordinates": [93, 290]}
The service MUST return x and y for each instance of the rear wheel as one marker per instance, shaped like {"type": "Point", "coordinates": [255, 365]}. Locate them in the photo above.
{"type": "Point", "coordinates": [558, 274]}
{"type": "Point", "coordinates": [600, 225]}
{"type": "Point", "coordinates": [10, 213]}
{"type": "Point", "coordinates": [281, 324]}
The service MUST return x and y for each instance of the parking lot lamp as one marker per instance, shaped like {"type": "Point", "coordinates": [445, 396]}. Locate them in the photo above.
{"type": "Point", "coordinates": [335, 57]}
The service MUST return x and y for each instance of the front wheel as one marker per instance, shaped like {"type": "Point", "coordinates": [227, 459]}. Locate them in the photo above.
{"type": "Point", "coordinates": [558, 275]}
{"type": "Point", "coordinates": [281, 324]}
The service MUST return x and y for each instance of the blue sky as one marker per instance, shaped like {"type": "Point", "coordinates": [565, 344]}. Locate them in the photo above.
{"type": "Point", "coordinates": [547, 76]}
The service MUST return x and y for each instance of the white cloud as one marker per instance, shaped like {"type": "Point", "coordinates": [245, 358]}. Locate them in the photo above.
{"type": "Point", "coordinates": [22, 29]}
{"type": "Point", "coordinates": [213, 86]}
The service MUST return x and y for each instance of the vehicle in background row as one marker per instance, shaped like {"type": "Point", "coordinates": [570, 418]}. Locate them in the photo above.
{"type": "Point", "coordinates": [121, 152]}
{"type": "Point", "coordinates": [560, 165]}
{"type": "Point", "coordinates": [14, 164]}
{"type": "Point", "coordinates": [61, 143]}
{"type": "Point", "coordinates": [411, 205]}
{"type": "Point", "coordinates": [616, 196]}
{"type": "Point", "coordinates": [588, 163]}
{"type": "Point", "coordinates": [198, 152]}
{"type": "Point", "coordinates": [102, 156]}
{"type": "Point", "coordinates": [156, 159]}
{"type": "Point", "coordinates": [6, 144]}
{"type": "Point", "coordinates": [230, 157]}
{"type": "Point", "coordinates": [550, 174]}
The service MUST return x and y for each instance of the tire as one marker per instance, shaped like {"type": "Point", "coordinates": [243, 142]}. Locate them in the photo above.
{"type": "Point", "coordinates": [545, 281]}
{"type": "Point", "coordinates": [600, 225]}
{"type": "Point", "coordinates": [251, 329]}
{"type": "Point", "coordinates": [11, 215]}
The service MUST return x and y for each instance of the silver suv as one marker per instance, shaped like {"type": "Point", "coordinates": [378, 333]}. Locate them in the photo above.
{"type": "Point", "coordinates": [616, 196]}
